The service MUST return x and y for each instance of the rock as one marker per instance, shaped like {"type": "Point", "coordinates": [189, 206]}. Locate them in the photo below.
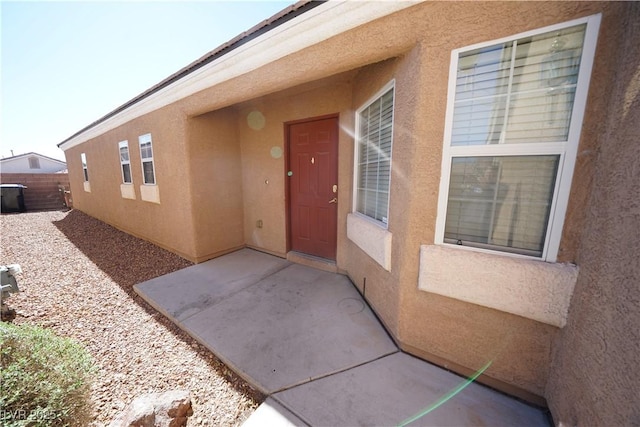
{"type": "Point", "coordinates": [168, 409]}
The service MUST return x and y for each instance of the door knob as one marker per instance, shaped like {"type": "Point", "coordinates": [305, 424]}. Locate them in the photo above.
{"type": "Point", "coordinates": [334, 200]}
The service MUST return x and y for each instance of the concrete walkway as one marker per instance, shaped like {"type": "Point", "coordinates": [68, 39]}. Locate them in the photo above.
{"type": "Point", "coordinates": [306, 339]}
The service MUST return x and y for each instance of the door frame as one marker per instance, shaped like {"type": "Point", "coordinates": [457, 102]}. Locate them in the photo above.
{"type": "Point", "coordinates": [287, 149]}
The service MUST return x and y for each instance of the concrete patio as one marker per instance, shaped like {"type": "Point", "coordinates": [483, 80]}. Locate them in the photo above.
{"type": "Point", "coordinates": [308, 340]}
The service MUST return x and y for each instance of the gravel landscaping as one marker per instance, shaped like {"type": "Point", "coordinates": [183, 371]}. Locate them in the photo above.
{"type": "Point", "coordinates": [78, 276]}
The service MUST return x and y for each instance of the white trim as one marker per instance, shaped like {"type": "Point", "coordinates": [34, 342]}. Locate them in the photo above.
{"type": "Point", "coordinates": [571, 153]}
{"type": "Point", "coordinates": [314, 26]}
{"type": "Point", "coordinates": [143, 139]}
{"type": "Point", "coordinates": [354, 206]}
{"type": "Point", "coordinates": [85, 168]}
{"type": "Point", "coordinates": [122, 144]}
{"type": "Point", "coordinates": [567, 150]}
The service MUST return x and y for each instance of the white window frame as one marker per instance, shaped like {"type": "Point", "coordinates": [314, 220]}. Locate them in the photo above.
{"type": "Point", "coordinates": [567, 150]}
{"type": "Point", "coordinates": [121, 145]}
{"type": "Point", "coordinates": [385, 89]}
{"type": "Point", "coordinates": [143, 139]}
{"type": "Point", "coordinates": [85, 169]}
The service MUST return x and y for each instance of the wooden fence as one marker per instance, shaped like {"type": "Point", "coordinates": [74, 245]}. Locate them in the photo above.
{"type": "Point", "coordinates": [45, 191]}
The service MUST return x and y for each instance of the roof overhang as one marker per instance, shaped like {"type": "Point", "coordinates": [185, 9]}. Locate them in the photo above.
{"type": "Point", "coordinates": [314, 25]}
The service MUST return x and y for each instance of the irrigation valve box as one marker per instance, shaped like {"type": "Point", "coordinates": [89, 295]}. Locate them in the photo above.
{"type": "Point", "coordinates": [8, 283]}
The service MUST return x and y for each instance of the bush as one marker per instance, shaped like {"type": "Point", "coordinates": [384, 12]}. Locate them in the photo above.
{"type": "Point", "coordinates": [45, 379]}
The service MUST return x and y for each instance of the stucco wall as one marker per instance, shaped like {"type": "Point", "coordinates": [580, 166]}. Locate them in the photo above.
{"type": "Point", "coordinates": [168, 223]}
{"type": "Point", "coordinates": [379, 285]}
{"type": "Point", "coordinates": [414, 48]}
{"type": "Point", "coordinates": [438, 328]}
{"type": "Point", "coordinates": [458, 335]}
{"type": "Point", "coordinates": [261, 130]}
{"type": "Point", "coordinates": [418, 319]}
{"type": "Point", "coordinates": [594, 377]}
{"type": "Point", "coordinates": [532, 289]}
{"type": "Point", "coordinates": [422, 322]}
{"type": "Point", "coordinates": [215, 174]}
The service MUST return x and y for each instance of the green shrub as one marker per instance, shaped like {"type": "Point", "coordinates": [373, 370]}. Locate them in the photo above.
{"type": "Point", "coordinates": [45, 379]}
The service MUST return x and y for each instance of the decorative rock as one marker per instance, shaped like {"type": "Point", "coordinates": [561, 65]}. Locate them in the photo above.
{"type": "Point", "coordinates": [168, 409]}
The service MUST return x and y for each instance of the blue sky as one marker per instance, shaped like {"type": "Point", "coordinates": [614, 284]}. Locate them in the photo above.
{"type": "Point", "coordinates": [66, 64]}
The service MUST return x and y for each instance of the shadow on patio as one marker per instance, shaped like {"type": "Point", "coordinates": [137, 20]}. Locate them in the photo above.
{"type": "Point", "coordinates": [128, 260]}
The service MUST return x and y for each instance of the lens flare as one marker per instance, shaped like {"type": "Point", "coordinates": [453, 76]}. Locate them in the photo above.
{"type": "Point", "coordinates": [447, 396]}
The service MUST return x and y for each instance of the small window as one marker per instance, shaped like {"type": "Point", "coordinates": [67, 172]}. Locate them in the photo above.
{"type": "Point", "coordinates": [85, 171]}
{"type": "Point", "coordinates": [146, 154]}
{"type": "Point", "coordinates": [34, 163]}
{"type": "Point", "coordinates": [373, 156]}
{"type": "Point", "coordinates": [513, 124]}
{"type": "Point", "coordinates": [125, 163]}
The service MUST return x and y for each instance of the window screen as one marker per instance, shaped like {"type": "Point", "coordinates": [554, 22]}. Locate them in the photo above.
{"type": "Point", "coordinates": [501, 202]}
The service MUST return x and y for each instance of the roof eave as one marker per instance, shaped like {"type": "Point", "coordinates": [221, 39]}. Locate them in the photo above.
{"type": "Point", "coordinates": [263, 27]}
{"type": "Point", "coordinates": [315, 26]}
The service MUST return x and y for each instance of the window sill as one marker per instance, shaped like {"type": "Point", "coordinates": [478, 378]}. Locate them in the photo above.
{"type": "Point", "coordinates": [374, 240]}
{"type": "Point", "coordinates": [87, 186]}
{"type": "Point", "coordinates": [150, 193]}
{"type": "Point", "coordinates": [536, 290]}
{"type": "Point", "coordinates": [127, 191]}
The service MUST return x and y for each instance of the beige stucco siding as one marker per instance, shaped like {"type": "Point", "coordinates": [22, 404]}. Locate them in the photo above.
{"type": "Point", "coordinates": [594, 375]}
{"type": "Point", "coordinates": [438, 328]}
{"type": "Point", "coordinates": [221, 171]}
{"type": "Point", "coordinates": [261, 130]}
{"type": "Point", "coordinates": [215, 174]}
{"type": "Point", "coordinates": [168, 223]}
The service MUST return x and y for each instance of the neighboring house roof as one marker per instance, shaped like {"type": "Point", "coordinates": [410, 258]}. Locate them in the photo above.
{"type": "Point", "coordinates": [333, 17]}
{"type": "Point", "coordinates": [30, 154]}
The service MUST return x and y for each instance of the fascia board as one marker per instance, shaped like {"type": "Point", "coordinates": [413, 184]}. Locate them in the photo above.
{"type": "Point", "coordinates": [312, 27]}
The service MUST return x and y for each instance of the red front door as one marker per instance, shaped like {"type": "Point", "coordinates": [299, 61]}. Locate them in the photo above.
{"type": "Point", "coordinates": [313, 184]}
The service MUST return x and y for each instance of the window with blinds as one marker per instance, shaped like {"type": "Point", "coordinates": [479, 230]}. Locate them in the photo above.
{"type": "Point", "coordinates": [373, 175]}
{"type": "Point", "coordinates": [518, 92]}
{"type": "Point", "coordinates": [125, 162]}
{"type": "Point", "coordinates": [512, 132]}
{"type": "Point", "coordinates": [501, 202]}
{"type": "Point", "coordinates": [146, 154]}
{"type": "Point", "coordinates": [85, 170]}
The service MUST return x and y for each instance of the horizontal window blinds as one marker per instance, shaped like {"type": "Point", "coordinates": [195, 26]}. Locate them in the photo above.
{"type": "Point", "coordinates": [147, 171]}
{"type": "Point", "coordinates": [374, 157]}
{"type": "Point", "coordinates": [506, 152]}
{"type": "Point", "coordinates": [518, 92]}
{"type": "Point", "coordinates": [125, 161]}
{"type": "Point", "coordinates": [501, 202]}
{"type": "Point", "coordinates": [146, 152]}
{"type": "Point", "coordinates": [124, 154]}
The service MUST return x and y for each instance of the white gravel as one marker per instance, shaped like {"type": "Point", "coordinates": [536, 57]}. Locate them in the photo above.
{"type": "Point", "coordinates": [78, 277]}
